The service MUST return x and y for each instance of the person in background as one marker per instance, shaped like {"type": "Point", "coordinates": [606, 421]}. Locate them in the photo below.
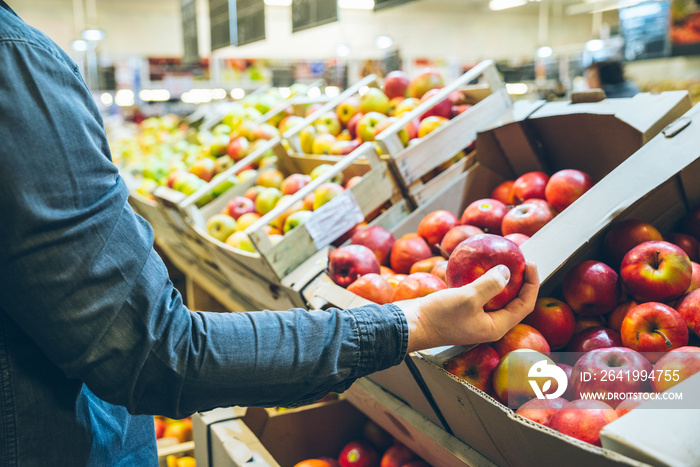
{"type": "Point", "coordinates": [94, 338]}
{"type": "Point", "coordinates": [609, 76]}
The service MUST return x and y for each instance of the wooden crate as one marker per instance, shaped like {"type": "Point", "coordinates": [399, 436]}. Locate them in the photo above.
{"type": "Point", "coordinates": [423, 168]}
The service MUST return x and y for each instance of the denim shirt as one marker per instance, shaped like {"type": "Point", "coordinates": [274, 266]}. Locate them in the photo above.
{"type": "Point", "coordinates": [85, 301]}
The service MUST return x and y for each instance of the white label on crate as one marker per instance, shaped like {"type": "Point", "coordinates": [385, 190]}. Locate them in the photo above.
{"type": "Point", "coordinates": [333, 219]}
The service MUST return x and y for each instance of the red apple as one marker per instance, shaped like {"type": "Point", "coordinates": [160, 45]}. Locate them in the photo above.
{"type": "Point", "coordinates": [407, 250]}
{"type": "Point", "coordinates": [654, 328]}
{"type": "Point", "coordinates": [377, 239]}
{"type": "Point", "coordinates": [238, 148]}
{"type": "Point", "coordinates": [294, 183]}
{"type": "Point", "coordinates": [694, 277]}
{"type": "Point", "coordinates": [541, 410]}
{"type": "Point", "coordinates": [418, 284]}
{"type": "Point", "coordinates": [440, 269]}
{"type": "Point", "coordinates": [504, 193]}
{"type": "Point", "coordinates": [372, 287]}
{"type": "Point", "coordinates": [204, 168]}
{"type": "Point", "coordinates": [542, 203]}
{"type": "Point", "coordinates": [358, 453]}
{"type": "Point", "coordinates": [430, 124]}
{"type": "Point", "coordinates": [596, 337]}
{"type": "Point", "coordinates": [320, 462]}
{"type": "Point", "coordinates": [591, 288]}
{"type": "Point", "coordinates": [435, 225]}
{"type": "Point", "coordinates": [526, 219]}
{"type": "Point", "coordinates": [459, 109]}
{"type": "Point", "coordinates": [624, 236]}
{"type": "Point", "coordinates": [352, 124]}
{"type": "Point", "coordinates": [584, 322]}
{"type": "Point", "coordinates": [530, 185]}
{"type": "Point", "coordinates": [270, 178]}
{"type": "Point", "coordinates": [475, 366]}
{"type": "Point", "coordinates": [511, 378]}
{"type": "Point", "coordinates": [397, 455]}
{"type": "Point", "coordinates": [656, 271]}
{"type": "Point", "coordinates": [347, 109]}
{"type": "Point", "coordinates": [426, 265]}
{"type": "Point", "coordinates": [487, 214]}
{"type": "Point", "coordinates": [674, 367]}
{"type": "Point", "coordinates": [521, 336]}
{"type": "Point", "coordinates": [396, 84]}
{"type": "Point", "coordinates": [566, 186]}
{"type": "Point", "coordinates": [396, 279]}
{"type": "Point", "coordinates": [610, 372]}
{"type": "Point", "coordinates": [441, 109]}
{"type": "Point", "coordinates": [583, 420]}
{"type": "Point", "coordinates": [554, 319]}
{"type": "Point", "coordinates": [476, 255]}
{"type": "Point", "coordinates": [424, 82]}
{"type": "Point", "coordinates": [457, 235]}
{"type": "Point", "coordinates": [688, 243]}
{"type": "Point", "coordinates": [239, 205]}
{"type": "Point", "coordinates": [517, 238]}
{"type": "Point", "coordinates": [618, 314]}
{"type": "Point", "coordinates": [348, 263]}
{"type": "Point", "coordinates": [688, 308]}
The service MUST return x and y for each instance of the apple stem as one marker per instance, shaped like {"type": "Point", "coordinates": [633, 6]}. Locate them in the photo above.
{"type": "Point", "coordinates": [668, 341]}
{"type": "Point", "coordinates": [656, 261]}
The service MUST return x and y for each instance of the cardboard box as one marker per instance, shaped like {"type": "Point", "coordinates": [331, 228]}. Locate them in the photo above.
{"type": "Point", "coordinates": [658, 184]}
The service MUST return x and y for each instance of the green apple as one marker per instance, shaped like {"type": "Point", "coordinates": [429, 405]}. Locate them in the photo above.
{"type": "Point", "coordinates": [247, 174]}
{"type": "Point", "coordinates": [347, 109]}
{"type": "Point", "coordinates": [219, 144]}
{"type": "Point", "coordinates": [325, 193]}
{"type": "Point", "coordinates": [306, 139]}
{"type": "Point", "coordinates": [221, 129]}
{"type": "Point", "coordinates": [406, 105]}
{"type": "Point", "coordinates": [367, 124]}
{"type": "Point", "coordinates": [230, 182]}
{"type": "Point", "coordinates": [270, 178]}
{"type": "Point", "coordinates": [222, 163]}
{"type": "Point", "coordinates": [323, 168]}
{"type": "Point", "coordinates": [238, 148]}
{"type": "Point", "coordinates": [374, 100]}
{"type": "Point", "coordinates": [221, 226]}
{"type": "Point", "coordinates": [331, 121]}
{"type": "Point", "coordinates": [295, 219]}
{"type": "Point", "coordinates": [430, 124]}
{"type": "Point", "coordinates": [267, 199]}
{"type": "Point", "coordinates": [241, 241]}
{"type": "Point", "coordinates": [424, 82]}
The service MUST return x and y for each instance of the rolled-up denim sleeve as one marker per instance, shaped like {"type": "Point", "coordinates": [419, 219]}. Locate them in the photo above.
{"type": "Point", "coordinates": [80, 276]}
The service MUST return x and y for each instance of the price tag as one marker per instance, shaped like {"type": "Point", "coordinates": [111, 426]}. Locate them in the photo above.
{"type": "Point", "coordinates": [333, 219]}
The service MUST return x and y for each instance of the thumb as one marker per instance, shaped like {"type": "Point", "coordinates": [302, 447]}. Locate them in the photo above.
{"type": "Point", "coordinates": [491, 283]}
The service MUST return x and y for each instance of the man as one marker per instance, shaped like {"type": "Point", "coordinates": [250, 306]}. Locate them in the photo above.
{"type": "Point", "coordinates": [92, 330]}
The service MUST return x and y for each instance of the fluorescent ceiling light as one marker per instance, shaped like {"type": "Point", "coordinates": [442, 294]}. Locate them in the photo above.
{"type": "Point", "coordinates": [278, 2]}
{"type": "Point", "coordinates": [124, 98]}
{"type": "Point", "coordinates": [79, 45]}
{"type": "Point", "coordinates": [517, 89]}
{"type": "Point", "coordinates": [342, 50]}
{"type": "Point", "coordinates": [356, 4]}
{"type": "Point", "coordinates": [154, 95]}
{"type": "Point", "coordinates": [238, 93]}
{"type": "Point", "coordinates": [383, 42]}
{"type": "Point", "coordinates": [93, 34]}
{"type": "Point", "coordinates": [196, 96]}
{"type": "Point", "coordinates": [218, 93]}
{"type": "Point", "coordinates": [314, 92]}
{"type": "Point", "coordinates": [332, 91]}
{"type": "Point", "coordinates": [285, 92]}
{"type": "Point", "coordinates": [595, 45]}
{"type": "Point", "coordinates": [496, 5]}
{"type": "Point", "coordinates": [107, 99]}
{"type": "Point", "coordinates": [544, 52]}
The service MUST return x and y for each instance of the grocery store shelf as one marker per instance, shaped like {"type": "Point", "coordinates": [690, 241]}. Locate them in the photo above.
{"type": "Point", "coordinates": [432, 443]}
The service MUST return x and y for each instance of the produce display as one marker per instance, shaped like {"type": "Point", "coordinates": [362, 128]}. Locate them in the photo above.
{"type": "Point", "coordinates": [635, 312]}
{"type": "Point", "coordinates": [171, 432]}
{"type": "Point", "coordinates": [451, 251]}
{"type": "Point", "coordinates": [376, 448]}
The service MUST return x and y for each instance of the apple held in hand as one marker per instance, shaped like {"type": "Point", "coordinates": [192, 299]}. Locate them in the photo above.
{"type": "Point", "coordinates": [583, 420]}
{"type": "Point", "coordinates": [408, 250]}
{"type": "Point", "coordinates": [594, 337]}
{"type": "Point", "coordinates": [689, 309]}
{"type": "Point", "coordinates": [220, 226]}
{"type": "Point", "coordinates": [565, 187]}
{"type": "Point", "coordinates": [475, 366]}
{"type": "Point", "coordinates": [654, 328]}
{"type": "Point", "coordinates": [625, 235]}
{"type": "Point", "coordinates": [610, 372]}
{"type": "Point", "coordinates": [372, 287]}
{"type": "Point", "coordinates": [521, 336]}
{"type": "Point", "coordinates": [457, 235]}
{"type": "Point", "coordinates": [591, 288]}
{"type": "Point", "coordinates": [541, 410]}
{"type": "Point", "coordinates": [487, 214]}
{"type": "Point", "coordinates": [526, 219]}
{"type": "Point", "coordinates": [530, 185]}
{"type": "Point", "coordinates": [656, 272]}
{"type": "Point", "coordinates": [676, 366]}
{"type": "Point", "coordinates": [435, 225]}
{"type": "Point", "coordinates": [346, 264]}
{"type": "Point", "coordinates": [418, 284]}
{"type": "Point", "coordinates": [554, 320]}
{"type": "Point", "coordinates": [476, 255]}
{"type": "Point", "coordinates": [440, 269]}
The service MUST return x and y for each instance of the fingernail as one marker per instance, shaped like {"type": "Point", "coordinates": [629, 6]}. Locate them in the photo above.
{"type": "Point", "coordinates": [505, 272]}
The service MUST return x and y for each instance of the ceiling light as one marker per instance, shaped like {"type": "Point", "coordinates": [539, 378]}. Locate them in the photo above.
{"type": "Point", "coordinates": [332, 91]}
{"type": "Point", "coordinates": [517, 89]}
{"type": "Point", "coordinates": [93, 34]}
{"type": "Point", "coordinates": [356, 4]}
{"type": "Point", "coordinates": [124, 98]}
{"type": "Point", "coordinates": [79, 45]}
{"type": "Point", "coordinates": [154, 95]}
{"type": "Point", "coordinates": [342, 50]}
{"type": "Point", "coordinates": [285, 92]}
{"type": "Point", "coordinates": [496, 5]}
{"type": "Point", "coordinates": [314, 92]}
{"type": "Point", "coordinates": [544, 52]}
{"type": "Point", "coordinates": [278, 2]}
{"type": "Point", "coordinates": [595, 45]}
{"type": "Point", "coordinates": [237, 93]}
{"type": "Point", "coordinates": [107, 99]}
{"type": "Point", "coordinates": [218, 93]}
{"type": "Point", "coordinates": [383, 42]}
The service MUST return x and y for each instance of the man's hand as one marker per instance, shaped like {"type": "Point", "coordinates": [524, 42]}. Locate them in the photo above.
{"type": "Point", "coordinates": [457, 317]}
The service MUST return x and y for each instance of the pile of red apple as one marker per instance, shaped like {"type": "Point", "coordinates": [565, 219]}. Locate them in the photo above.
{"type": "Point", "coordinates": [361, 118]}
{"type": "Point", "coordinates": [272, 188]}
{"type": "Point", "coordinates": [376, 448]}
{"type": "Point", "coordinates": [636, 311]}
{"type": "Point", "coordinates": [178, 430]}
{"type": "Point", "coordinates": [383, 269]}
